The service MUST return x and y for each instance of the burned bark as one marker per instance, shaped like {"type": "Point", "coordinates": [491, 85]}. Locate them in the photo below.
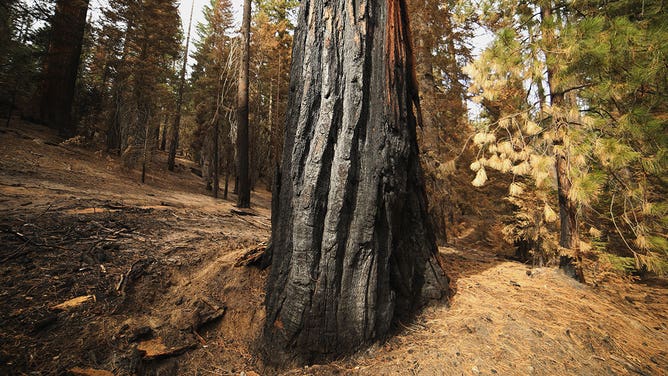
{"type": "Point", "coordinates": [352, 247]}
{"type": "Point", "coordinates": [61, 65]}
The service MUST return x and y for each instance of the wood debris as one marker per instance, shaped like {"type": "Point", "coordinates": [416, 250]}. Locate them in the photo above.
{"type": "Point", "coordinates": [156, 349]}
{"type": "Point", "coordinates": [251, 255]}
{"type": "Point", "coordinates": [77, 371]}
{"type": "Point", "coordinates": [72, 303]}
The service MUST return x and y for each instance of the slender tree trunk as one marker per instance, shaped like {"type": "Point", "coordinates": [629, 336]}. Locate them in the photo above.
{"type": "Point", "coordinates": [352, 246]}
{"type": "Point", "coordinates": [568, 210]}
{"type": "Point", "coordinates": [156, 135]}
{"type": "Point", "coordinates": [12, 103]}
{"type": "Point", "coordinates": [174, 139]}
{"type": "Point", "coordinates": [243, 198]}
{"type": "Point", "coordinates": [114, 132]}
{"type": "Point", "coordinates": [145, 153]}
{"type": "Point", "coordinates": [163, 141]}
{"type": "Point", "coordinates": [216, 160]}
{"type": "Point", "coordinates": [227, 184]}
{"type": "Point", "coordinates": [114, 126]}
{"type": "Point", "coordinates": [61, 65]}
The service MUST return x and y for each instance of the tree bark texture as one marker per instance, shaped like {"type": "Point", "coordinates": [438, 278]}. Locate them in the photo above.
{"type": "Point", "coordinates": [352, 245]}
{"type": "Point", "coordinates": [243, 198]}
{"type": "Point", "coordinates": [61, 65]}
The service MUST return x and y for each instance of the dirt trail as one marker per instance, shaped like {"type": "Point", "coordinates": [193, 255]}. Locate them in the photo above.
{"type": "Point", "coordinates": [158, 259]}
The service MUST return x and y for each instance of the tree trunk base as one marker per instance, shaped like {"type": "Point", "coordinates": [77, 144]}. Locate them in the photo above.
{"type": "Point", "coordinates": [572, 268]}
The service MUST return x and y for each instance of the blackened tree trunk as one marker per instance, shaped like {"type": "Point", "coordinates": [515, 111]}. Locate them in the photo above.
{"type": "Point", "coordinates": [174, 134]}
{"type": "Point", "coordinates": [61, 65]}
{"type": "Point", "coordinates": [352, 246]}
{"type": "Point", "coordinates": [243, 198]}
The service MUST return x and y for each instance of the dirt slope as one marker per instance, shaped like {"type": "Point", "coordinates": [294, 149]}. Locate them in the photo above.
{"type": "Point", "coordinates": [503, 321]}
{"type": "Point", "coordinates": [159, 260]}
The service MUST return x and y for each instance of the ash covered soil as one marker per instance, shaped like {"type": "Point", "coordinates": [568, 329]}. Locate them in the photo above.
{"type": "Point", "coordinates": [152, 270]}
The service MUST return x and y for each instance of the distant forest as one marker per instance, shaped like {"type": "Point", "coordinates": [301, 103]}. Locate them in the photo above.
{"type": "Point", "coordinates": [551, 133]}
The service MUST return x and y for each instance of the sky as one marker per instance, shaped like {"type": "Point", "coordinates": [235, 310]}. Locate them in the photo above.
{"type": "Point", "coordinates": [198, 16]}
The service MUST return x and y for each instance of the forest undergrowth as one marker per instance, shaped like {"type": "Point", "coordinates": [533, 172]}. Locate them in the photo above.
{"type": "Point", "coordinates": [153, 268]}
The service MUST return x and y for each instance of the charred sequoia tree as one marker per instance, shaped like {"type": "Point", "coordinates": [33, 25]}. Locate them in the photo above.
{"type": "Point", "coordinates": [61, 65]}
{"type": "Point", "coordinates": [353, 249]}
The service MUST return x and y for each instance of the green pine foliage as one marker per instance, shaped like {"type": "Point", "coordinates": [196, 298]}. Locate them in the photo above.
{"type": "Point", "coordinates": [24, 38]}
{"type": "Point", "coordinates": [608, 60]}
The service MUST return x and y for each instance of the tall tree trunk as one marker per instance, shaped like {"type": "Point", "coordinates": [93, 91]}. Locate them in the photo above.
{"type": "Point", "coordinates": [174, 139]}
{"type": "Point", "coordinates": [568, 209]}
{"type": "Point", "coordinates": [61, 65]}
{"type": "Point", "coordinates": [352, 245]}
{"type": "Point", "coordinates": [243, 198]}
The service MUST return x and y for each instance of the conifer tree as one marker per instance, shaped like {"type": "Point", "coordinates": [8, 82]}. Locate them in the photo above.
{"type": "Point", "coordinates": [22, 42]}
{"type": "Point", "coordinates": [213, 82]}
{"type": "Point", "coordinates": [558, 92]}
{"type": "Point", "coordinates": [441, 31]}
{"type": "Point", "coordinates": [618, 56]}
{"type": "Point", "coordinates": [61, 65]}
{"type": "Point", "coordinates": [142, 40]}
{"type": "Point", "coordinates": [271, 44]}
{"type": "Point", "coordinates": [174, 138]}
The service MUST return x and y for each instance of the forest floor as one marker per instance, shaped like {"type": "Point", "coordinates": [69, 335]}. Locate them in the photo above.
{"type": "Point", "coordinates": [153, 266]}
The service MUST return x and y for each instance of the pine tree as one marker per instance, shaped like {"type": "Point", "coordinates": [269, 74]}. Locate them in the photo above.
{"type": "Point", "coordinates": [174, 134]}
{"type": "Point", "coordinates": [271, 44]}
{"type": "Point", "coordinates": [142, 41]}
{"type": "Point", "coordinates": [560, 90]}
{"type": "Point", "coordinates": [618, 55]}
{"type": "Point", "coordinates": [213, 82]}
{"type": "Point", "coordinates": [61, 65]}
{"type": "Point", "coordinates": [22, 43]}
{"type": "Point", "coordinates": [521, 82]}
{"type": "Point", "coordinates": [440, 34]}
